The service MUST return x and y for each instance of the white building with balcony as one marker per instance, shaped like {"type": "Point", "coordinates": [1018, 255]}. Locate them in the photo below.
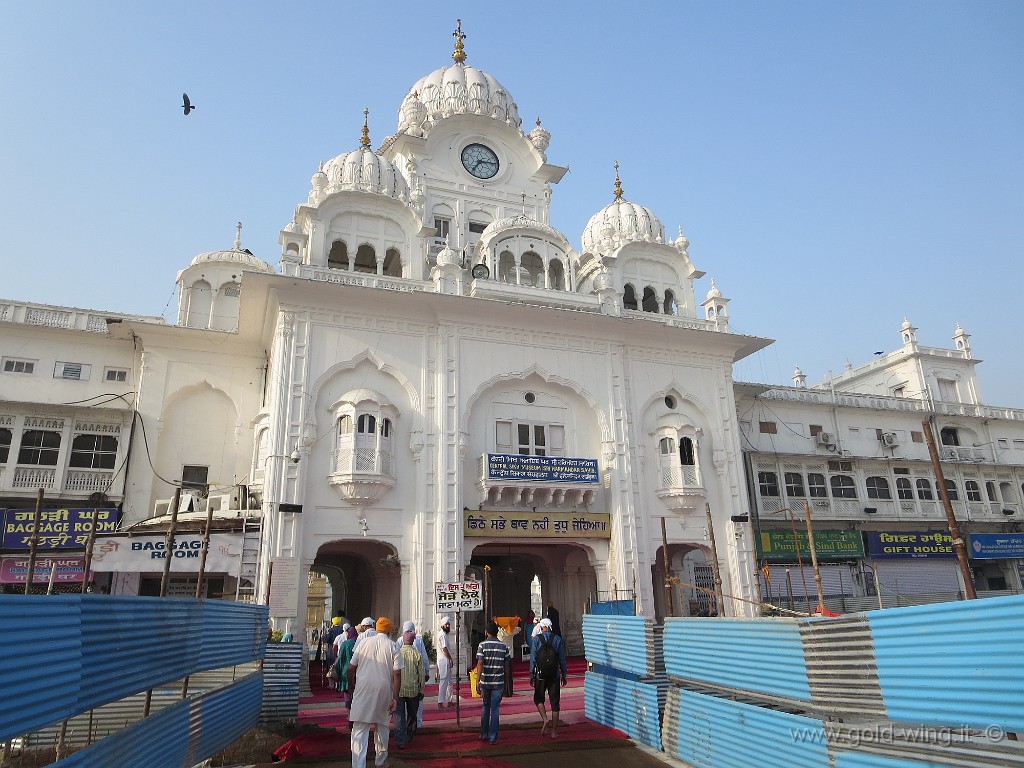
{"type": "Point", "coordinates": [436, 380]}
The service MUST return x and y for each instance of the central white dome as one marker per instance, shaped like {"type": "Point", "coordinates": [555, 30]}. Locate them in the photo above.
{"type": "Point", "coordinates": [457, 90]}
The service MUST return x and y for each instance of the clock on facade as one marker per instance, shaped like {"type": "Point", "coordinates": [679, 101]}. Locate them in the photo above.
{"type": "Point", "coordinates": [480, 161]}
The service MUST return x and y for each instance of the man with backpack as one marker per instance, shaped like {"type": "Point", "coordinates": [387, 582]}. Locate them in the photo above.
{"type": "Point", "coordinates": [547, 672]}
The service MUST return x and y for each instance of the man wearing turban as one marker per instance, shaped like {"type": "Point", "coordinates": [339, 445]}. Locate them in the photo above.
{"type": "Point", "coordinates": [375, 673]}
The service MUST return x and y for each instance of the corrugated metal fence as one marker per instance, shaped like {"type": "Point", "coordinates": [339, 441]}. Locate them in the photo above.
{"type": "Point", "coordinates": [931, 685]}
{"type": "Point", "coordinates": [67, 655]}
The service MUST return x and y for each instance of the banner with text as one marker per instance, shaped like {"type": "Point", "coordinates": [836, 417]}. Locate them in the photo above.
{"type": "Point", "coordinates": [549, 525]}
{"type": "Point", "coordinates": [778, 546]}
{"type": "Point", "coordinates": [908, 544]}
{"type": "Point", "coordinates": [145, 554]}
{"type": "Point", "coordinates": [58, 528]}
{"type": "Point", "coordinates": [548, 469]}
{"type": "Point", "coordinates": [453, 597]}
{"type": "Point", "coordinates": [993, 546]}
{"type": "Point", "coordinates": [69, 569]}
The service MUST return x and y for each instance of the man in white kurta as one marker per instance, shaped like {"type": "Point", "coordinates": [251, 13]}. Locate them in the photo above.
{"type": "Point", "coordinates": [376, 673]}
{"type": "Point", "coordinates": [444, 663]}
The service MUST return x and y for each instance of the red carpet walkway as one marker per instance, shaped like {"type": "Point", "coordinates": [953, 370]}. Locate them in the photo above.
{"type": "Point", "coordinates": [441, 740]}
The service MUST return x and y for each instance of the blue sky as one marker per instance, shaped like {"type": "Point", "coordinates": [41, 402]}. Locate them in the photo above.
{"type": "Point", "coordinates": [835, 166]}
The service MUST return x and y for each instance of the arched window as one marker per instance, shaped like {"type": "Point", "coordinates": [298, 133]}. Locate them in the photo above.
{"type": "Point", "coordinates": [670, 307]}
{"type": "Point", "coordinates": [904, 490]}
{"type": "Point", "coordinates": [843, 487]}
{"type": "Point", "coordinates": [393, 263]}
{"type": "Point", "coordinates": [385, 427]}
{"type": "Point", "coordinates": [794, 484]}
{"type": "Point", "coordinates": [878, 488]}
{"type": "Point", "coordinates": [629, 296]}
{"type": "Point", "coordinates": [924, 490]}
{"type": "Point", "coordinates": [39, 447]}
{"type": "Point", "coordinates": [951, 490]}
{"type": "Point", "coordinates": [686, 456]}
{"type": "Point", "coordinates": [949, 436]}
{"type": "Point", "coordinates": [1009, 493]}
{"type": "Point", "coordinates": [667, 446]}
{"type": "Point", "coordinates": [972, 490]}
{"type": "Point", "coordinates": [345, 425]}
{"type": "Point", "coordinates": [990, 491]}
{"type": "Point", "coordinates": [224, 313]}
{"type": "Point", "coordinates": [507, 267]}
{"type": "Point", "coordinates": [5, 443]}
{"type": "Point", "coordinates": [650, 303]}
{"type": "Point", "coordinates": [556, 275]}
{"type": "Point", "coordinates": [93, 451]}
{"type": "Point", "coordinates": [200, 300]}
{"type": "Point", "coordinates": [534, 267]}
{"type": "Point", "coordinates": [367, 424]}
{"type": "Point", "coordinates": [366, 259]}
{"type": "Point", "coordinates": [338, 257]}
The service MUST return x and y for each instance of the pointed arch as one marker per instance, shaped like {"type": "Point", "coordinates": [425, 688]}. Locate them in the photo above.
{"type": "Point", "coordinates": [371, 357]}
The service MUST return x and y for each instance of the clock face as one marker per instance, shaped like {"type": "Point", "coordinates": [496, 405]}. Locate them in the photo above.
{"type": "Point", "coordinates": [480, 161]}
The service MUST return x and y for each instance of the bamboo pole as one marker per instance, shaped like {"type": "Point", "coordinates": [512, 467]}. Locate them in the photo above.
{"type": "Point", "coordinates": [33, 542]}
{"type": "Point", "coordinates": [814, 557]}
{"type": "Point", "coordinates": [715, 568]}
{"type": "Point", "coordinates": [954, 527]}
{"type": "Point", "coordinates": [664, 563]}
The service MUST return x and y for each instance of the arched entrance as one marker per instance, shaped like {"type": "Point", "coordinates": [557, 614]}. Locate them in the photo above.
{"type": "Point", "coordinates": [365, 578]}
{"type": "Point", "coordinates": [689, 573]}
{"type": "Point", "coordinates": [525, 577]}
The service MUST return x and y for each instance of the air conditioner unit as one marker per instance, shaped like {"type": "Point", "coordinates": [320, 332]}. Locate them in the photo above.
{"type": "Point", "coordinates": [826, 438]}
{"type": "Point", "coordinates": [951, 453]}
{"type": "Point", "coordinates": [890, 440]}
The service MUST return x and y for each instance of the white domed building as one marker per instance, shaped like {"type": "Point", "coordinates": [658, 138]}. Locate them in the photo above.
{"type": "Point", "coordinates": [436, 381]}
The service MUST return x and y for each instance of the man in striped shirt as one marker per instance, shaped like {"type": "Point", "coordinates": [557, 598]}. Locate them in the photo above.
{"type": "Point", "coordinates": [491, 656]}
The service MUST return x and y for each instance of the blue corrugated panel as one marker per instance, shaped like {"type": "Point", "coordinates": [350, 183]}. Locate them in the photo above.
{"type": "Point", "coordinates": [623, 642]}
{"type": "Point", "coordinates": [862, 760]}
{"type": "Point", "coordinates": [953, 663]}
{"type": "Point", "coordinates": [66, 654]}
{"type": "Point", "coordinates": [41, 663]}
{"type": "Point", "coordinates": [130, 644]}
{"type": "Point", "coordinates": [760, 655]}
{"type": "Point", "coordinates": [232, 633]}
{"type": "Point", "coordinates": [158, 741]}
{"type": "Point", "coordinates": [718, 733]}
{"type": "Point", "coordinates": [630, 706]}
{"type": "Point", "coordinates": [220, 717]}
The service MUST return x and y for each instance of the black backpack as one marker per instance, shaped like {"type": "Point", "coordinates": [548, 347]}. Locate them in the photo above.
{"type": "Point", "coordinates": [546, 660]}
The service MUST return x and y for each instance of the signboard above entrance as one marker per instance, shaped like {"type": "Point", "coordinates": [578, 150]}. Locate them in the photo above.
{"type": "Point", "coordinates": [908, 544]}
{"type": "Point", "coordinates": [452, 597]}
{"type": "Point", "coordinates": [58, 528]}
{"type": "Point", "coordinates": [996, 545]}
{"type": "Point", "coordinates": [548, 525]}
{"type": "Point", "coordinates": [553, 469]}
{"type": "Point", "coordinates": [778, 546]}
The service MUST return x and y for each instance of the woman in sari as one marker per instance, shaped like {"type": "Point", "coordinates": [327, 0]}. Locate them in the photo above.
{"type": "Point", "coordinates": [341, 667]}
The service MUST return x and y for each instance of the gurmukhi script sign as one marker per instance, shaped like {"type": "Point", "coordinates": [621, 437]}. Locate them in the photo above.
{"type": "Point", "coordinates": [452, 597]}
{"type": "Point", "coordinates": [548, 525]}
{"type": "Point", "coordinates": [548, 469]}
{"type": "Point", "coordinates": [58, 528]}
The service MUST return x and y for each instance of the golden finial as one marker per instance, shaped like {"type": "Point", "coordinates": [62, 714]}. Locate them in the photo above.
{"type": "Point", "coordinates": [364, 141]}
{"type": "Point", "coordinates": [459, 57]}
{"type": "Point", "coordinates": [618, 184]}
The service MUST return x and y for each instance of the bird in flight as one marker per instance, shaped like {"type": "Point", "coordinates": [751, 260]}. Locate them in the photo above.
{"type": "Point", "coordinates": [187, 105]}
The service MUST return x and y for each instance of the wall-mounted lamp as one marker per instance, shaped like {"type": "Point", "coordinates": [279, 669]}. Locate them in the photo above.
{"type": "Point", "coordinates": [870, 510]}
{"type": "Point", "coordinates": [364, 526]}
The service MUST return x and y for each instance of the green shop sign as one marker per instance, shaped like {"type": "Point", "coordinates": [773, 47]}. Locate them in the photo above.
{"type": "Point", "coordinates": [828, 545]}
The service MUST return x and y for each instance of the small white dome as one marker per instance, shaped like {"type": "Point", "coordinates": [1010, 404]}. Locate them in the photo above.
{"type": "Point", "coordinates": [364, 171]}
{"type": "Point", "coordinates": [244, 260]}
{"type": "Point", "coordinates": [540, 138]}
{"type": "Point", "coordinates": [622, 222]}
{"type": "Point", "coordinates": [714, 293]}
{"type": "Point", "coordinates": [447, 256]}
{"type": "Point", "coordinates": [458, 90]}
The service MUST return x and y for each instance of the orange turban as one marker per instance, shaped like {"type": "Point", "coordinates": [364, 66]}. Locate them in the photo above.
{"type": "Point", "coordinates": [384, 625]}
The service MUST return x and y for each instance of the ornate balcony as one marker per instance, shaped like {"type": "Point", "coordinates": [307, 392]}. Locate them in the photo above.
{"type": "Point", "coordinates": [362, 475]}
{"type": "Point", "coordinates": [681, 489]}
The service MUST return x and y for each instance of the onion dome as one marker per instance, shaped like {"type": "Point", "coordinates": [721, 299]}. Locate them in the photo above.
{"type": "Point", "coordinates": [447, 256]}
{"type": "Point", "coordinates": [621, 222]}
{"type": "Point", "coordinates": [525, 222]}
{"type": "Point", "coordinates": [365, 171]}
{"type": "Point", "coordinates": [540, 138]}
{"type": "Point", "coordinates": [458, 90]}
{"type": "Point", "coordinates": [242, 257]}
{"type": "Point", "coordinates": [411, 115]}
{"type": "Point", "coordinates": [319, 180]}
{"type": "Point", "coordinates": [714, 293]}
